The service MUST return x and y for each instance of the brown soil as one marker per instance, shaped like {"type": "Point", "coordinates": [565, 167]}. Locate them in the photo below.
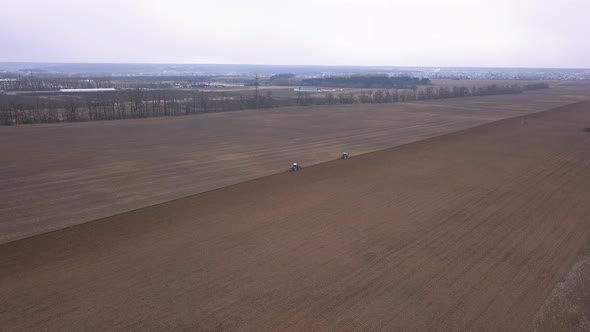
{"type": "Point", "coordinates": [54, 176]}
{"type": "Point", "coordinates": [470, 230]}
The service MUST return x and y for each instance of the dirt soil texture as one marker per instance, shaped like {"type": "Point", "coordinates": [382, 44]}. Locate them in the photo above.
{"type": "Point", "coordinates": [470, 230]}
{"type": "Point", "coordinates": [54, 176]}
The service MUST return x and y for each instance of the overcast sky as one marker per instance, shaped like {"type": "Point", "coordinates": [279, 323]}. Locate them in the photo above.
{"type": "Point", "coordinates": [508, 33]}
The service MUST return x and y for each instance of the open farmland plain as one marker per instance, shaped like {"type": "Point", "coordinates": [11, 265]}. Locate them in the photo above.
{"type": "Point", "coordinates": [54, 176]}
{"type": "Point", "coordinates": [470, 230]}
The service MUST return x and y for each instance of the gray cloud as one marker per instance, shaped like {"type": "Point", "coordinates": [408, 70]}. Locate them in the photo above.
{"type": "Point", "coordinates": [518, 33]}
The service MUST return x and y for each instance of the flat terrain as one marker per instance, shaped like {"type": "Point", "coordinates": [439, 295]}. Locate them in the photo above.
{"type": "Point", "coordinates": [470, 230]}
{"type": "Point", "coordinates": [53, 176]}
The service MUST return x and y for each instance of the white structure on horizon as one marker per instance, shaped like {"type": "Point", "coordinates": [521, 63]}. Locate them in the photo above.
{"type": "Point", "coordinates": [307, 89]}
{"type": "Point", "coordinates": [87, 90]}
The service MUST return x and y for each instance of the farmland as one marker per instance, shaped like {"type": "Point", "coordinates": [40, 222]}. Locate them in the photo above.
{"type": "Point", "coordinates": [54, 176]}
{"type": "Point", "coordinates": [470, 230]}
{"type": "Point", "coordinates": [81, 104]}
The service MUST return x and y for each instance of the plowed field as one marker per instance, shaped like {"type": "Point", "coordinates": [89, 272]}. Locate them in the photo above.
{"type": "Point", "coordinates": [54, 176]}
{"type": "Point", "coordinates": [470, 230]}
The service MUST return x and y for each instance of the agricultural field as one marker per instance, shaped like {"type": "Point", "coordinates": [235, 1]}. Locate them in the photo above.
{"type": "Point", "coordinates": [470, 230]}
{"type": "Point", "coordinates": [80, 105]}
{"type": "Point", "coordinates": [58, 175]}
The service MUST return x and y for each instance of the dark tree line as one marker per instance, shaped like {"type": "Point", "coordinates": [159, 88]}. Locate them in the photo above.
{"type": "Point", "coordinates": [128, 104]}
{"type": "Point", "coordinates": [28, 83]}
{"type": "Point", "coordinates": [282, 79]}
{"type": "Point", "coordinates": [371, 81]}
{"type": "Point", "coordinates": [401, 95]}
{"type": "Point", "coordinates": [284, 76]}
{"type": "Point", "coordinates": [536, 86]}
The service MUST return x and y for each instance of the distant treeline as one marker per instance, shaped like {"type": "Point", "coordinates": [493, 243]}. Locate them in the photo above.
{"type": "Point", "coordinates": [51, 84]}
{"type": "Point", "coordinates": [23, 83]}
{"type": "Point", "coordinates": [416, 94]}
{"type": "Point", "coordinates": [126, 104]}
{"type": "Point", "coordinates": [283, 79]}
{"type": "Point", "coordinates": [369, 81]}
{"type": "Point", "coordinates": [283, 76]}
{"type": "Point", "coordinates": [138, 103]}
{"type": "Point", "coordinates": [536, 86]}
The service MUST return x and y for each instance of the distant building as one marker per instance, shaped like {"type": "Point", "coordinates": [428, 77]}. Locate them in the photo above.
{"type": "Point", "coordinates": [87, 90]}
{"type": "Point", "coordinates": [307, 89]}
{"type": "Point", "coordinates": [217, 84]}
{"type": "Point", "coordinates": [224, 85]}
